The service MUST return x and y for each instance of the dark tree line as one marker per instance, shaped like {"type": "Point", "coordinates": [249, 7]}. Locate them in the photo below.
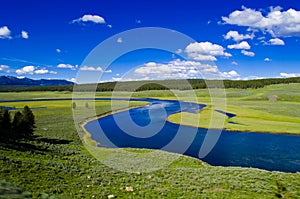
{"type": "Point", "coordinates": [159, 85]}
{"type": "Point", "coordinates": [22, 124]}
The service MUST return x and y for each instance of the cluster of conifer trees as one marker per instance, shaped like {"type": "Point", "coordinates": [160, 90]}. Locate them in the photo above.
{"type": "Point", "coordinates": [22, 124]}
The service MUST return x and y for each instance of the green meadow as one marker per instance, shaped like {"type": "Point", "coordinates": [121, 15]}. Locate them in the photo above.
{"type": "Point", "coordinates": [56, 163]}
{"type": "Point", "coordinates": [254, 111]}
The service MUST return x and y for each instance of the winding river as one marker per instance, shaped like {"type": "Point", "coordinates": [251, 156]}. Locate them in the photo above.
{"type": "Point", "coordinates": [268, 151]}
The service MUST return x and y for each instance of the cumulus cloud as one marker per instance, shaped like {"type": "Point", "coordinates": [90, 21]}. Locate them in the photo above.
{"type": "Point", "coordinates": [276, 41]}
{"type": "Point", "coordinates": [58, 50]}
{"type": "Point", "coordinates": [90, 18]}
{"type": "Point", "coordinates": [24, 34]}
{"type": "Point", "coordinates": [234, 63]}
{"type": "Point", "coordinates": [33, 70]}
{"type": "Point", "coordinates": [286, 75]}
{"type": "Point", "coordinates": [276, 21]}
{"type": "Point", "coordinates": [241, 45]}
{"type": "Point", "coordinates": [26, 70]}
{"type": "Point", "coordinates": [178, 51]}
{"type": "Point", "coordinates": [179, 69]}
{"type": "Point", "coordinates": [238, 37]}
{"type": "Point", "coordinates": [248, 53]}
{"type": "Point", "coordinates": [4, 68]}
{"type": "Point", "coordinates": [72, 80]}
{"type": "Point", "coordinates": [119, 40]}
{"type": "Point", "coordinates": [267, 59]}
{"type": "Point", "coordinates": [205, 51]}
{"type": "Point", "coordinates": [5, 33]}
{"type": "Point", "coordinates": [90, 68]}
{"type": "Point", "coordinates": [68, 66]}
{"type": "Point", "coordinates": [41, 71]}
{"type": "Point", "coordinates": [230, 74]}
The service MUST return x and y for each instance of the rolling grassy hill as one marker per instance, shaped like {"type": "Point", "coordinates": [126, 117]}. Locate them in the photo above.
{"type": "Point", "coordinates": [56, 164]}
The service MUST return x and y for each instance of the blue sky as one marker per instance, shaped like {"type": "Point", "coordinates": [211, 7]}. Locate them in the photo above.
{"type": "Point", "coordinates": [242, 39]}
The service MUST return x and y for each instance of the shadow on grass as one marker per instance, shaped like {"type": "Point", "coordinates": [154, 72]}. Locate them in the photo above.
{"type": "Point", "coordinates": [33, 144]}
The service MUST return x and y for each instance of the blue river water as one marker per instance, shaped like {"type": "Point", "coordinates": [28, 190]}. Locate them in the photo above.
{"type": "Point", "coordinates": [273, 152]}
{"type": "Point", "coordinates": [277, 152]}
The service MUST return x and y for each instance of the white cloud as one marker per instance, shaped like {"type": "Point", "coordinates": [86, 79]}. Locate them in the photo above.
{"type": "Point", "coordinates": [267, 59]}
{"type": "Point", "coordinates": [24, 34]}
{"type": "Point", "coordinates": [276, 21]}
{"type": "Point", "coordinates": [109, 25]}
{"type": "Point", "coordinates": [120, 40]}
{"type": "Point", "coordinates": [32, 70]}
{"type": "Point", "coordinates": [241, 45]}
{"type": "Point", "coordinates": [276, 41]}
{"type": "Point", "coordinates": [252, 77]}
{"type": "Point", "coordinates": [58, 50]}
{"type": "Point", "coordinates": [234, 63]}
{"type": "Point", "coordinates": [286, 75]}
{"type": "Point", "coordinates": [238, 37]}
{"type": "Point", "coordinates": [178, 69]}
{"type": "Point", "coordinates": [41, 71]}
{"type": "Point", "coordinates": [26, 70]}
{"type": "Point", "coordinates": [248, 53]}
{"type": "Point", "coordinates": [178, 51]}
{"type": "Point", "coordinates": [5, 33]}
{"type": "Point", "coordinates": [4, 67]}
{"type": "Point", "coordinates": [230, 74]}
{"type": "Point", "coordinates": [72, 80]}
{"type": "Point", "coordinates": [90, 18]}
{"type": "Point", "coordinates": [69, 66]}
{"type": "Point", "coordinates": [90, 68]}
{"type": "Point", "coordinates": [205, 51]}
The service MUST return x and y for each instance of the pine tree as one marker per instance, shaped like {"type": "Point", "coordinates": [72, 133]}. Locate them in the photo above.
{"type": "Point", "coordinates": [17, 124]}
{"type": "Point", "coordinates": [28, 121]}
{"type": "Point", "coordinates": [6, 121]}
{"type": "Point", "coordinates": [1, 122]}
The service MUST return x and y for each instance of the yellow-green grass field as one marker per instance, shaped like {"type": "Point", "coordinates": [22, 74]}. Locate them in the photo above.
{"type": "Point", "coordinates": [57, 164]}
{"type": "Point", "coordinates": [254, 111]}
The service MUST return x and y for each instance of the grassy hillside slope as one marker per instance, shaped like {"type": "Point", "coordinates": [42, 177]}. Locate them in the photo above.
{"type": "Point", "coordinates": [57, 164]}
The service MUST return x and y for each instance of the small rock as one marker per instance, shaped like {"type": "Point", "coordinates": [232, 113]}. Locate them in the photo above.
{"type": "Point", "coordinates": [129, 188]}
{"type": "Point", "coordinates": [149, 177]}
{"type": "Point", "coordinates": [110, 196]}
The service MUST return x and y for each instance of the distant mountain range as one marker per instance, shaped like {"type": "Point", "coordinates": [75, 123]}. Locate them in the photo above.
{"type": "Point", "coordinates": [14, 81]}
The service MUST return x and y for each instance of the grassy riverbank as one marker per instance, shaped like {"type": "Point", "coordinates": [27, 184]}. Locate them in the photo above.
{"type": "Point", "coordinates": [57, 164]}
{"type": "Point", "coordinates": [253, 109]}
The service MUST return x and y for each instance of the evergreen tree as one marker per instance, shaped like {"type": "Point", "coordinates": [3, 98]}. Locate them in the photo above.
{"type": "Point", "coordinates": [28, 122]}
{"type": "Point", "coordinates": [1, 121]}
{"type": "Point", "coordinates": [6, 121]}
{"type": "Point", "coordinates": [17, 123]}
